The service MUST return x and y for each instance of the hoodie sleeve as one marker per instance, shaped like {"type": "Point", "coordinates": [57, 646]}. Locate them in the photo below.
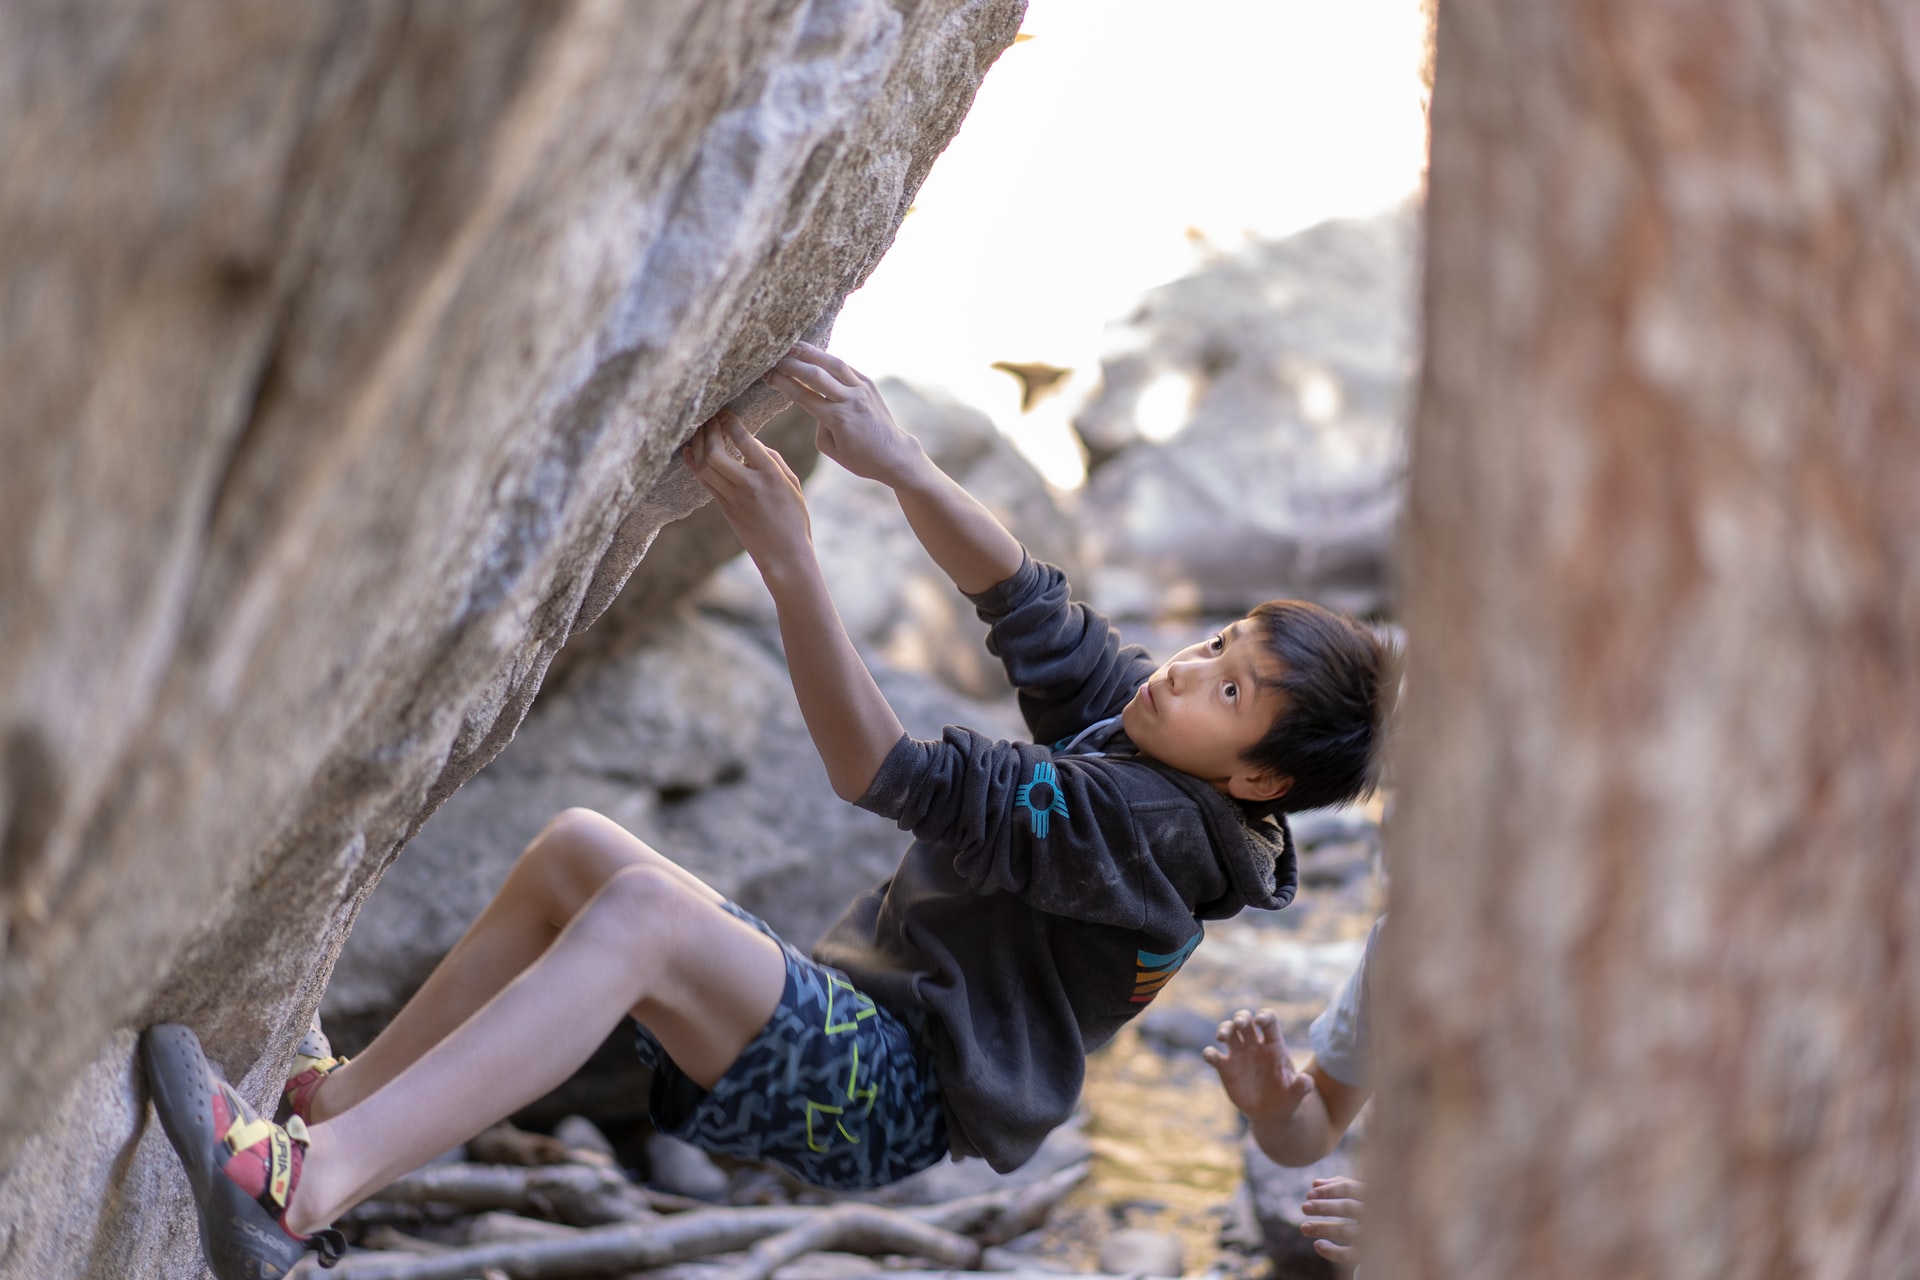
{"type": "Point", "coordinates": [1063, 657]}
{"type": "Point", "coordinates": [1056, 831]}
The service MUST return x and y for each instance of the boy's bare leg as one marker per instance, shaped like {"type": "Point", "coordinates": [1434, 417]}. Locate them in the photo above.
{"type": "Point", "coordinates": [649, 942]}
{"type": "Point", "coordinates": [557, 874]}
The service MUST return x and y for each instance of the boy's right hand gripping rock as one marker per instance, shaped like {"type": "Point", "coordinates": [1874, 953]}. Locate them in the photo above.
{"type": "Point", "coordinates": [855, 427]}
{"type": "Point", "coordinates": [755, 489]}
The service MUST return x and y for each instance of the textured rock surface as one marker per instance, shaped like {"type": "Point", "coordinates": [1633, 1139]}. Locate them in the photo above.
{"type": "Point", "coordinates": [1248, 441]}
{"type": "Point", "coordinates": [346, 348]}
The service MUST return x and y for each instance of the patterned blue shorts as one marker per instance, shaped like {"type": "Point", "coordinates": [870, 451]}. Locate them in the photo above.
{"type": "Point", "coordinates": [835, 1090]}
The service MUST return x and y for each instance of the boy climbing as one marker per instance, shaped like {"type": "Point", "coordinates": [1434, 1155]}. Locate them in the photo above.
{"type": "Point", "coordinates": [1048, 894]}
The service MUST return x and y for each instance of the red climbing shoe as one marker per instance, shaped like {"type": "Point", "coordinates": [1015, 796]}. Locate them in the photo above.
{"type": "Point", "coordinates": [242, 1169]}
{"type": "Point", "coordinates": [312, 1061]}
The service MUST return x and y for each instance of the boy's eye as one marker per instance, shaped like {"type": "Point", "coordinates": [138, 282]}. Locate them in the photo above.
{"type": "Point", "coordinates": [1232, 691]}
{"type": "Point", "coordinates": [1217, 644]}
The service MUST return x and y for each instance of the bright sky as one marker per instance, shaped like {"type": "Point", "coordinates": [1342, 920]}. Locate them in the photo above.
{"type": "Point", "coordinates": [1092, 150]}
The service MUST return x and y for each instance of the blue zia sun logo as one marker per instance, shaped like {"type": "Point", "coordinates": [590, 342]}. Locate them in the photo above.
{"type": "Point", "coordinates": [1041, 798]}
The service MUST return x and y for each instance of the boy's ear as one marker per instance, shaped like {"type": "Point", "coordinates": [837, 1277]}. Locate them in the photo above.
{"type": "Point", "coordinates": [1258, 788]}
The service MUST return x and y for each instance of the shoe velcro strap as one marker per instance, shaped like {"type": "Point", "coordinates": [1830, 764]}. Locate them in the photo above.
{"type": "Point", "coordinates": [280, 1167]}
{"type": "Point", "coordinates": [309, 1072]}
{"type": "Point", "coordinates": [244, 1132]}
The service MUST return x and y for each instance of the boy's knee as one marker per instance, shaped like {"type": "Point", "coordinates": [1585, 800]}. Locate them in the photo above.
{"type": "Point", "coordinates": [574, 855]}
{"type": "Point", "coordinates": [583, 836]}
{"type": "Point", "coordinates": [571, 826]}
{"type": "Point", "coordinates": [562, 840]}
{"type": "Point", "coordinates": [641, 909]}
{"type": "Point", "coordinates": [648, 893]}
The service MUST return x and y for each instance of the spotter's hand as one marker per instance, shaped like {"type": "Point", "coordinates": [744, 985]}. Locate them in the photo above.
{"type": "Point", "coordinates": [1333, 1218]}
{"type": "Point", "coordinates": [853, 425]}
{"type": "Point", "coordinates": [1255, 1068]}
{"type": "Point", "coordinates": [755, 488]}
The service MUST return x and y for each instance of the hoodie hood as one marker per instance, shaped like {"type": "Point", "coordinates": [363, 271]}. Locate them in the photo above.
{"type": "Point", "coordinates": [1256, 854]}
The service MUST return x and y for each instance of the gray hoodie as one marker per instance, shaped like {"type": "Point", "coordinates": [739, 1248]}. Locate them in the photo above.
{"type": "Point", "coordinates": [1049, 891]}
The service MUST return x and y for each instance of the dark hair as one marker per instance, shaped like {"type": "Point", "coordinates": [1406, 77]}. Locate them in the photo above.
{"type": "Point", "coordinates": [1340, 680]}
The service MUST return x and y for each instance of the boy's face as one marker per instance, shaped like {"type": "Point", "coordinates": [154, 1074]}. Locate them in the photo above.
{"type": "Point", "coordinates": [1206, 706]}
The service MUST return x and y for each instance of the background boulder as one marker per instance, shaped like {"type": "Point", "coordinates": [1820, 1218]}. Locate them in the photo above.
{"type": "Point", "coordinates": [1248, 438]}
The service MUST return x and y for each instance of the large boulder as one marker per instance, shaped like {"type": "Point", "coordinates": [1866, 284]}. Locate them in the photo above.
{"type": "Point", "coordinates": [1248, 437]}
{"type": "Point", "coordinates": [346, 353]}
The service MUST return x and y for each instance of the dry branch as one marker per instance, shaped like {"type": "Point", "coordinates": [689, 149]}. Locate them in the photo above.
{"type": "Point", "coordinates": [578, 1194]}
{"type": "Point", "coordinates": [996, 1217]}
{"type": "Point", "coordinates": [858, 1228]}
{"type": "Point", "coordinates": [596, 1251]}
{"type": "Point", "coordinates": [498, 1228]}
{"type": "Point", "coordinates": [1008, 1265]}
{"type": "Point", "coordinates": [932, 1230]}
{"type": "Point", "coordinates": [506, 1144]}
{"type": "Point", "coordinates": [386, 1238]}
{"type": "Point", "coordinates": [641, 1240]}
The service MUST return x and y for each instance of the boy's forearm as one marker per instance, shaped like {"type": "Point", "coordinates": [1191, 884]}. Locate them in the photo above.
{"type": "Point", "coordinates": [852, 724]}
{"type": "Point", "coordinates": [1302, 1137]}
{"type": "Point", "coordinates": [965, 539]}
